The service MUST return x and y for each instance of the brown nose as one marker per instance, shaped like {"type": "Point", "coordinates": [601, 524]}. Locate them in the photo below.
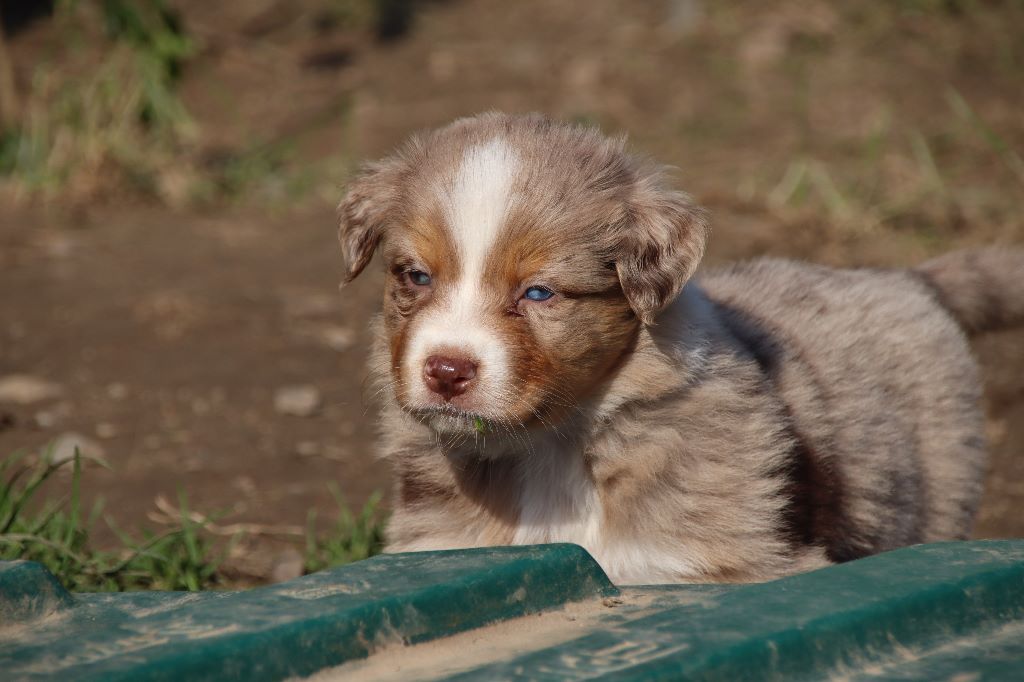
{"type": "Point", "coordinates": [448, 376]}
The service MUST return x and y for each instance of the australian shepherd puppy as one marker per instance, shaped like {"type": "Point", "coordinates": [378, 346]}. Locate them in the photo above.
{"type": "Point", "coordinates": [551, 372]}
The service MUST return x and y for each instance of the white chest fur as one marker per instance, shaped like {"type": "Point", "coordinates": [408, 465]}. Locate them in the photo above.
{"type": "Point", "coordinates": [559, 502]}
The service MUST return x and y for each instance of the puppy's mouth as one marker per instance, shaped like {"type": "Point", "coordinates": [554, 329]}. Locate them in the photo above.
{"type": "Point", "coordinates": [450, 420]}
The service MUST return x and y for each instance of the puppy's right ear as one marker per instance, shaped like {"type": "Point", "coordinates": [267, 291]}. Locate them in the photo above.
{"type": "Point", "coordinates": [363, 215]}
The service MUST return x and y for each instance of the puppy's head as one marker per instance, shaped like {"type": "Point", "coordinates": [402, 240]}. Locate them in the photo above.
{"type": "Point", "coordinates": [522, 256]}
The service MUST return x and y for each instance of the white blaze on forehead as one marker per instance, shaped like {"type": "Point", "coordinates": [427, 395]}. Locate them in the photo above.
{"type": "Point", "coordinates": [478, 200]}
{"type": "Point", "coordinates": [475, 204]}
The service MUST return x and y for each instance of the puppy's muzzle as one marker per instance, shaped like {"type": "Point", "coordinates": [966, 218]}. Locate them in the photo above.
{"type": "Point", "coordinates": [448, 376]}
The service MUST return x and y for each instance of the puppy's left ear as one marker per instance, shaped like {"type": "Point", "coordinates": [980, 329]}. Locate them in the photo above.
{"type": "Point", "coordinates": [363, 214]}
{"type": "Point", "coordinates": [660, 247]}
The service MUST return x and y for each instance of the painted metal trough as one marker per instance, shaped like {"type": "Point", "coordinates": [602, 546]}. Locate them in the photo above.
{"type": "Point", "coordinates": [951, 611]}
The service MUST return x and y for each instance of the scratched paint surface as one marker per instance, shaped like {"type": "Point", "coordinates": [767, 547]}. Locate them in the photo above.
{"type": "Point", "coordinates": [294, 628]}
{"type": "Point", "coordinates": [944, 611]}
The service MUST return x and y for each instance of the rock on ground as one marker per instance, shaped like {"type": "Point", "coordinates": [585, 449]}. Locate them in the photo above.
{"type": "Point", "coordinates": [24, 389]}
{"type": "Point", "coordinates": [301, 401]}
{"type": "Point", "coordinates": [63, 447]}
{"type": "Point", "coordinates": [288, 565]}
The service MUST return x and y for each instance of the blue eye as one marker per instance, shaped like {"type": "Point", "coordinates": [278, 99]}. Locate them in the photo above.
{"type": "Point", "coordinates": [419, 278]}
{"type": "Point", "coordinates": [538, 294]}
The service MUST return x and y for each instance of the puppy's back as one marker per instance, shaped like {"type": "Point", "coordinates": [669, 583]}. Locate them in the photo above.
{"type": "Point", "coordinates": [880, 386]}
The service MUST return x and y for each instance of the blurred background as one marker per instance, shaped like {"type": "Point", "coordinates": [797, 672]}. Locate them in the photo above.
{"type": "Point", "coordinates": [169, 168]}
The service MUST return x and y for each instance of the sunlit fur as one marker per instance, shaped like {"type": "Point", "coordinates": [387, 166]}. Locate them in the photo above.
{"type": "Point", "coordinates": [763, 419]}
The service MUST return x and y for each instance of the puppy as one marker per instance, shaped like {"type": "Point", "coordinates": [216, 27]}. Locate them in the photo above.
{"type": "Point", "coordinates": [551, 373]}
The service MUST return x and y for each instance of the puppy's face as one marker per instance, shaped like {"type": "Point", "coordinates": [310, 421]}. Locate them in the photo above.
{"type": "Point", "coordinates": [522, 257]}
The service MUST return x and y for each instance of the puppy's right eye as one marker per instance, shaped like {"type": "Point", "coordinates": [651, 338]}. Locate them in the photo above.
{"type": "Point", "coordinates": [418, 278]}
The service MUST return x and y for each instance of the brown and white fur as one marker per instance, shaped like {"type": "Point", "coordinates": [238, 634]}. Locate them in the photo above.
{"type": "Point", "coordinates": [763, 419]}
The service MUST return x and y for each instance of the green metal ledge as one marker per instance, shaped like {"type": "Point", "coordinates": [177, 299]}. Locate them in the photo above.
{"type": "Point", "coordinates": [944, 611]}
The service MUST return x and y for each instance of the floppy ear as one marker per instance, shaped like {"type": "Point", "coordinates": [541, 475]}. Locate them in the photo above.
{"type": "Point", "coordinates": [660, 247]}
{"type": "Point", "coordinates": [363, 214]}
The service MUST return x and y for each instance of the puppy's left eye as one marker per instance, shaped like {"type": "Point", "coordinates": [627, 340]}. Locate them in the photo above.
{"type": "Point", "coordinates": [419, 278]}
{"type": "Point", "coordinates": [538, 294]}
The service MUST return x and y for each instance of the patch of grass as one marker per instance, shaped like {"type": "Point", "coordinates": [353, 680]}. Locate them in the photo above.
{"type": "Point", "coordinates": [893, 178]}
{"type": "Point", "coordinates": [270, 170]}
{"type": "Point", "coordinates": [1010, 158]}
{"type": "Point", "coordinates": [352, 537]}
{"type": "Point", "coordinates": [92, 120]}
{"type": "Point", "coordinates": [57, 534]}
{"type": "Point", "coordinates": [260, 170]}
{"type": "Point", "coordinates": [103, 119]}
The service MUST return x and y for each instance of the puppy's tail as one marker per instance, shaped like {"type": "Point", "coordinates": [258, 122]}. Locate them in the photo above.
{"type": "Point", "coordinates": [982, 289]}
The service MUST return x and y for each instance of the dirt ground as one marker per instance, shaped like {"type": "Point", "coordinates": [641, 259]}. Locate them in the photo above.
{"type": "Point", "coordinates": [840, 133]}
